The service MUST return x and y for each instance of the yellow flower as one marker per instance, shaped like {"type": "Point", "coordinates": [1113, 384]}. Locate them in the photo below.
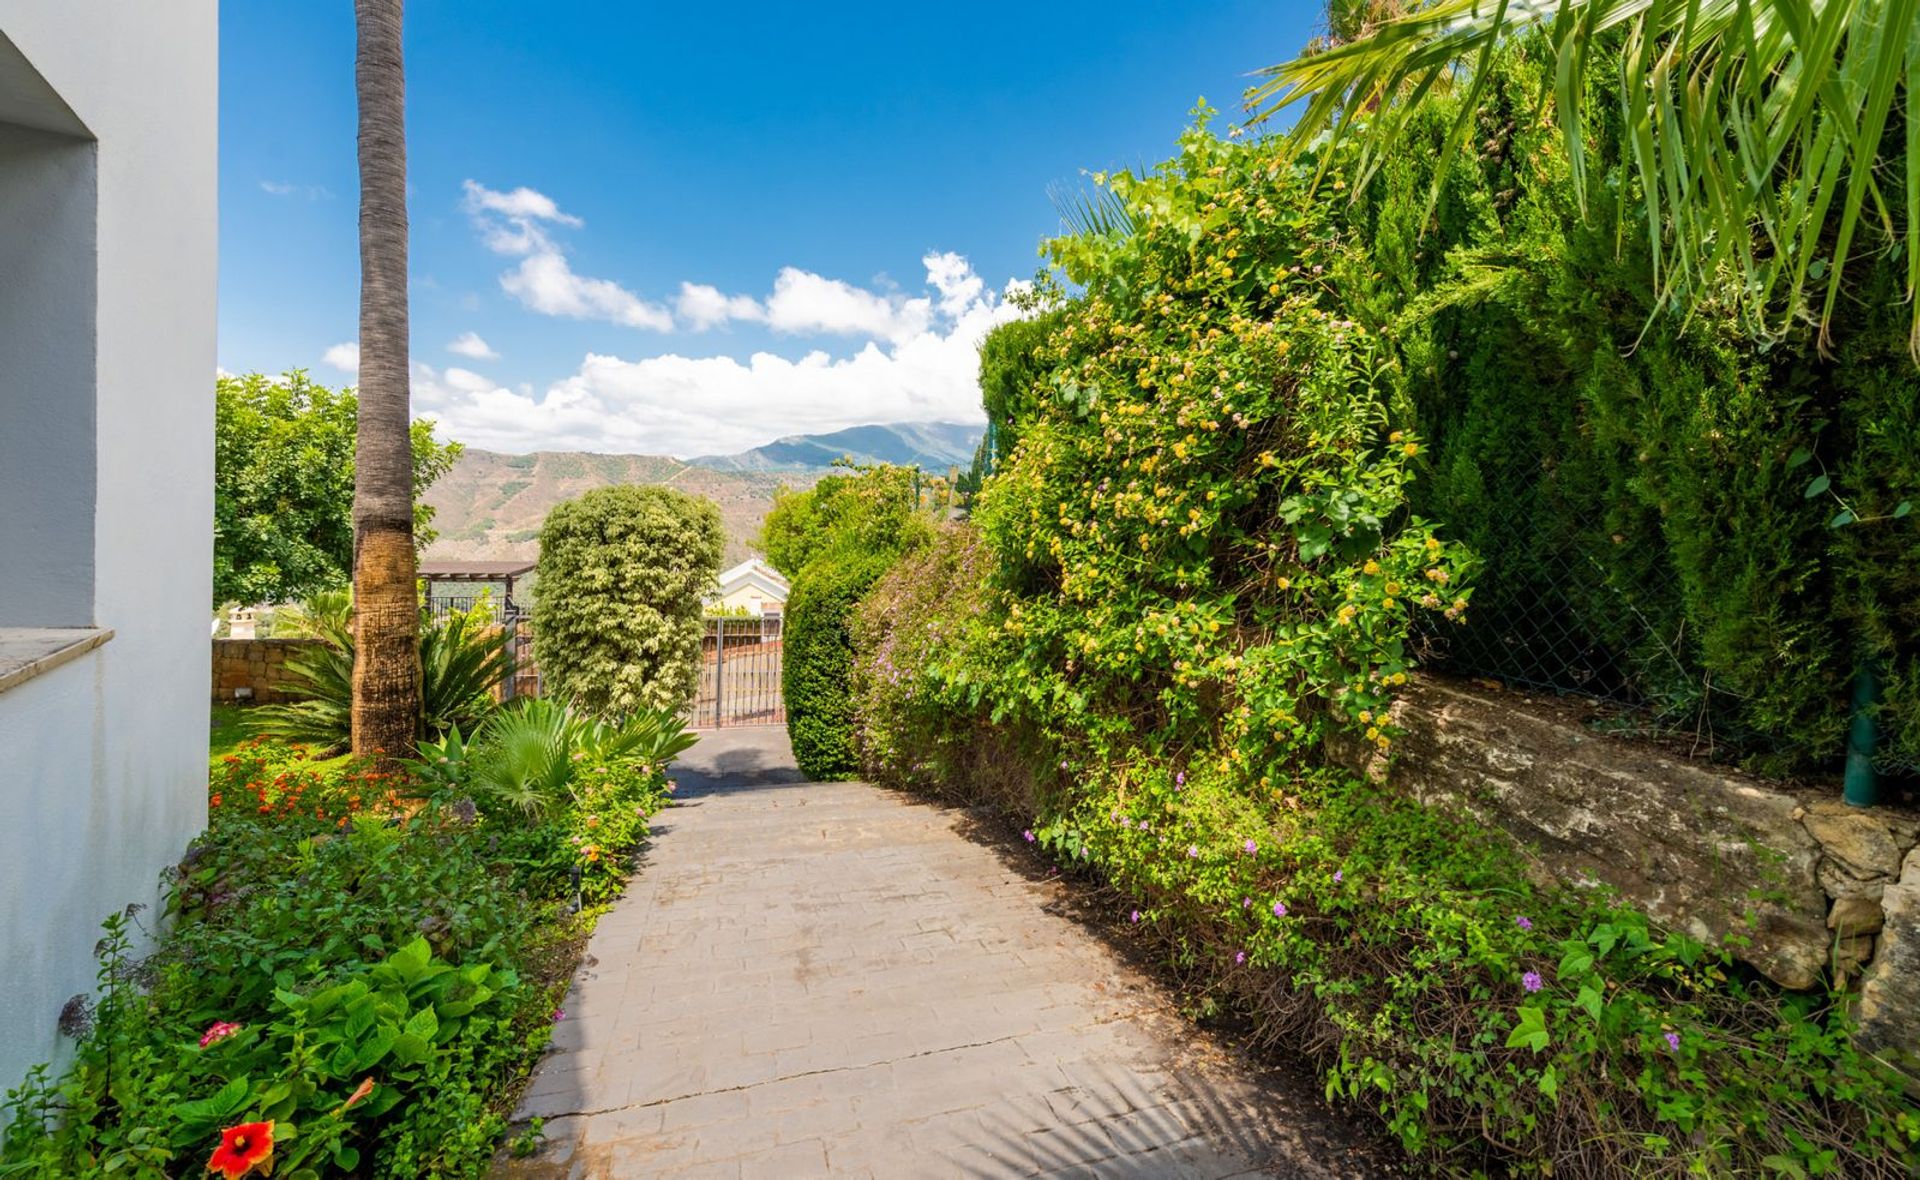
{"type": "Point", "coordinates": [1371, 568]}
{"type": "Point", "coordinates": [1396, 436]}
{"type": "Point", "coordinates": [1286, 583]}
{"type": "Point", "coordinates": [1410, 450]}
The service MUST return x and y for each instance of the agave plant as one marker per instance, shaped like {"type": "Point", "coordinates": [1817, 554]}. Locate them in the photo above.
{"type": "Point", "coordinates": [463, 655]}
{"type": "Point", "coordinates": [1766, 136]}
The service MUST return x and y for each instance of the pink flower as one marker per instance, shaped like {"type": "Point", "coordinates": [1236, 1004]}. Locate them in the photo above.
{"type": "Point", "coordinates": [1339, 875]}
{"type": "Point", "coordinates": [1531, 981]}
{"type": "Point", "coordinates": [559, 1014]}
{"type": "Point", "coordinates": [1180, 780]}
{"type": "Point", "coordinates": [1523, 922]}
{"type": "Point", "coordinates": [1027, 835]}
{"type": "Point", "coordinates": [218, 1031]}
{"type": "Point", "coordinates": [1673, 1041]}
{"type": "Point", "coordinates": [1250, 847]}
{"type": "Point", "coordinates": [1279, 909]}
{"type": "Point", "coordinates": [1193, 851]}
{"type": "Point", "coordinates": [1239, 957]}
{"type": "Point", "coordinates": [1135, 917]}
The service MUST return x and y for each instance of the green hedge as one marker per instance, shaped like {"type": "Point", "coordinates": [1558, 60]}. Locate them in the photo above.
{"type": "Point", "coordinates": [834, 540]}
{"type": "Point", "coordinates": [818, 654]}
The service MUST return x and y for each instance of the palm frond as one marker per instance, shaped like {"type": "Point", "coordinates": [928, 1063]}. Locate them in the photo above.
{"type": "Point", "coordinates": [1759, 131]}
{"type": "Point", "coordinates": [1096, 211]}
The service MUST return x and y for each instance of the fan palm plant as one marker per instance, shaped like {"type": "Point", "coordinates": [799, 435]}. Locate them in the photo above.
{"type": "Point", "coordinates": [1768, 138]}
{"type": "Point", "coordinates": [527, 757]}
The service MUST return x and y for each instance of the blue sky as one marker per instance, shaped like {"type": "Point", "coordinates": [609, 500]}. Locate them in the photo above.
{"type": "Point", "coordinates": [693, 228]}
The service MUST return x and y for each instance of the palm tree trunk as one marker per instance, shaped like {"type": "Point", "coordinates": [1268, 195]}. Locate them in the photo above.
{"type": "Point", "coordinates": [386, 666]}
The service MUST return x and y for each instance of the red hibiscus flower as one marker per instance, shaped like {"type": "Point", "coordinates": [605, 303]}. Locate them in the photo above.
{"type": "Point", "coordinates": [243, 1150]}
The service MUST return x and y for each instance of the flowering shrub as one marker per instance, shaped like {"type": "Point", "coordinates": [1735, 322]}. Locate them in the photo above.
{"type": "Point", "coordinates": [356, 977]}
{"type": "Point", "coordinates": [1199, 565]}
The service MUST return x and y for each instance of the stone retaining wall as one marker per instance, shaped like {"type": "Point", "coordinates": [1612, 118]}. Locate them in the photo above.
{"type": "Point", "coordinates": [1821, 890]}
{"type": "Point", "coordinates": [256, 665]}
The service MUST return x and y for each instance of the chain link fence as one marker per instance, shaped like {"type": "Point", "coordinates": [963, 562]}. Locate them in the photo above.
{"type": "Point", "coordinates": [1571, 624]}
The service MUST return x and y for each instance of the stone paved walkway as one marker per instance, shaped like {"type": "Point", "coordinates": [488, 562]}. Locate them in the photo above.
{"type": "Point", "coordinates": [830, 980]}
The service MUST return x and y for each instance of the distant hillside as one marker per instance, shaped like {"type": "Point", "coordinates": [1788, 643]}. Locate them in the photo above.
{"type": "Point", "coordinates": [933, 446]}
{"type": "Point", "coordinates": [491, 505]}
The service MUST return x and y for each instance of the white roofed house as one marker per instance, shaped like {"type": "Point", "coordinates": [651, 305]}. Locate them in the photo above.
{"type": "Point", "coordinates": [108, 202]}
{"type": "Point", "coordinates": [752, 586]}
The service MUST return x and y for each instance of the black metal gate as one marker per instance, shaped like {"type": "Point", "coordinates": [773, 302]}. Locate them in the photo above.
{"type": "Point", "coordinates": [740, 674]}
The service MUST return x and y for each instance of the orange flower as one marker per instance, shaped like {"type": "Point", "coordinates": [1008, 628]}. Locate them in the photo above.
{"type": "Point", "coordinates": [215, 800]}
{"type": "Point", "coordinates": [243, 1150]}
{"type": "Point", "coordinates": [365, 1088]}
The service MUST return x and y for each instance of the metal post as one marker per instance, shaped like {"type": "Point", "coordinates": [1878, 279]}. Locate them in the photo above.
{"type": "Point", "coordinates": [512, 625]}
{"type": "Point", "coordinates": [1863, 737]}
{"type": "Point", "coordinates": [719, 672]}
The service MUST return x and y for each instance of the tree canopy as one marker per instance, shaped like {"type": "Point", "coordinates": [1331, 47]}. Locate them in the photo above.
{"type": "Point", "coordinates": [283, 486]}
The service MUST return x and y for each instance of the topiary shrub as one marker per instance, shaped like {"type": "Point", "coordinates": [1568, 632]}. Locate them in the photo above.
{"type": "Point", "coordinates": [616, 617]}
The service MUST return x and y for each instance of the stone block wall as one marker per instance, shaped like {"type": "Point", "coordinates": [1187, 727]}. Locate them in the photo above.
{"type": "Point", "coordinates": [1822, 891]}
{"type": "Point", "coordinates": [257, 665]}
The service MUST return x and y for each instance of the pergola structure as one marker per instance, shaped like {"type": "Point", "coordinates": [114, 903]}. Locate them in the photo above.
{"type": "Point", "coordinates": [473, 573]}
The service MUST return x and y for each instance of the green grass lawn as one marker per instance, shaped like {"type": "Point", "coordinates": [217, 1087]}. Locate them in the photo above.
{"type": "Point", "coordinates": [228, 731]}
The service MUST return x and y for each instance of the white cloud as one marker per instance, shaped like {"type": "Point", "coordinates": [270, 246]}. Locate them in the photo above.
{"type": "Point", "coordinates": [470, 344]}
{"type": "Point", "coordinates": [920, 365]}
{"type": "Point", "coordinates": [344, 357]}
{"type": "Point", "coordinates": [806, 302]}
{"type": "Point", "coordinates": [280, 188]}
{"type": "Point", "coordinates": [703, 307]}
{"type": "Point", "coordinates": [546, 284]}
{"type": "Point", "coordinates": [516, 224]}
{"type": "Point", "coordinates": [522, 204]}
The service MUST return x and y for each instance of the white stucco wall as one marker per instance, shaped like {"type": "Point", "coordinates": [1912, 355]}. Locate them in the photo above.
{"type": "Point", "coordinates": [103, 760]}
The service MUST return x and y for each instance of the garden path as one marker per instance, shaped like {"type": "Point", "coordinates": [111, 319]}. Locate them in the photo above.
{"type": "Point", "coordinates": [832, 979]}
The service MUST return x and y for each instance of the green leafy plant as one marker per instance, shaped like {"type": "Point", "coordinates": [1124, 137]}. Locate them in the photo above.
{"type": "Point", "coordinates": [617, 607]}
{"type": "Point", "coordinates": [351, 977]}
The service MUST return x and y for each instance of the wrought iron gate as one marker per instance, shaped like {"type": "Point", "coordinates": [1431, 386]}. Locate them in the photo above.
{"type": "Point", "coordinates": [740, 674]}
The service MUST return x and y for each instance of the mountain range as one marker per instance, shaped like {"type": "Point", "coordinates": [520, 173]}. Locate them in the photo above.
{"type": "Point", "coordinates": [491, 504]}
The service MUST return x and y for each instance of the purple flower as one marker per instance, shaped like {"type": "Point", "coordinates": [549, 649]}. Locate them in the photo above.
{"type": "Point", "coordinates": [1193, 850]}
{"type": "Point", "coordinates": [1246, 903]}
{"type": "Point", "coordinates": [1279, 909]}
{"type": "Point", "coordinates": [1339, 875]}
{"type": "Point", "coordinates": [1180, 779]}
{"type": "Point", "coordinates": [1523, 922]}
{"type": "Point", "coordinates": [1251, 847]}
{"type": "Point", "coordinates": [1028, 835]}
{"type": "Point", "coordinates": [1127, 822]}
{"type": "Point", "coordinates": [1135, 917]}
{"type": "Point", "coordinates": [1063, 764]}
{"type": "Point", "coordinates": [1239, 957]}
{"type": "Point", "coordinates": [1673, 1041]}
{"type": "Point", "coordinates": [559, 1014]}
{"type": "Point", "coordinates": [1531, 981]}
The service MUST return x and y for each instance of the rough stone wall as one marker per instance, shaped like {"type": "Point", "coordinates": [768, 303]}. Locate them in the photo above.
{"type": "Point", "coordinates": [1821, 890]}
{"type": "Point", "coordinates": [256, 664]}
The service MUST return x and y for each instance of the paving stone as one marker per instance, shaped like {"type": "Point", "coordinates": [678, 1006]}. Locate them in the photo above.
{"type": "Point", "coordinates": [830, 980]}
